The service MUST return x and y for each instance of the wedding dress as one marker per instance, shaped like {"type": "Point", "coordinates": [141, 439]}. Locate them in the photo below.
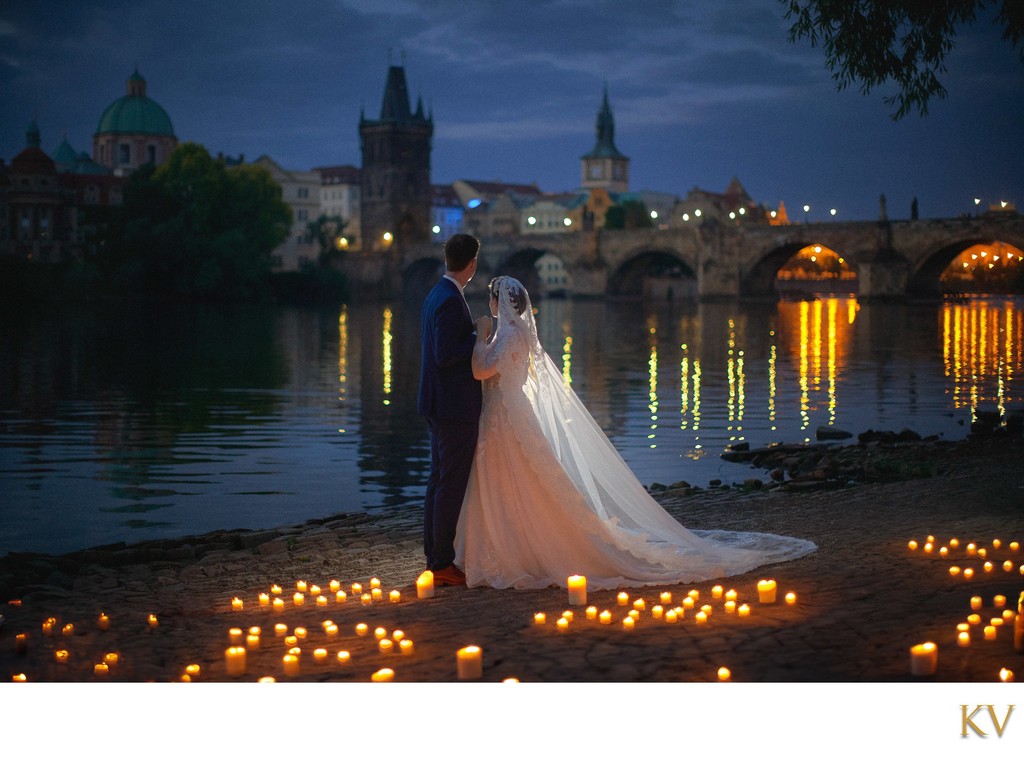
{"type": "Point", "coordinates": [549, 496]}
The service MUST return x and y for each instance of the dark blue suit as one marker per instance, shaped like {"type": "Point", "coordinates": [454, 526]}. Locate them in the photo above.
{"type": "Point", "coordinates": [450, 402]}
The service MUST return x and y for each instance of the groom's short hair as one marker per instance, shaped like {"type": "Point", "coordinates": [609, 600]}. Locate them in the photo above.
{"type": "Point", "coordinates": [459, 250]}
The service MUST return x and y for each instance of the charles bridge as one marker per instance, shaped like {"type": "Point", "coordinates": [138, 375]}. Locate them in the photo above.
{"type": "Point", "coordinates": [892, 259]}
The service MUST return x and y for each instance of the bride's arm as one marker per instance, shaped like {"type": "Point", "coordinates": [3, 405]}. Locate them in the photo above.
{"type": "Point", "coordinates": [485, 357]}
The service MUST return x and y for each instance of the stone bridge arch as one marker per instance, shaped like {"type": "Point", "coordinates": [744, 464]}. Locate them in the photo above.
{"type": "Point", "coordinates": [924, 278]}
{"type": "Point", "coordinates": [758, 282]}
{"type": "Point", "coordinates": [657, 273]}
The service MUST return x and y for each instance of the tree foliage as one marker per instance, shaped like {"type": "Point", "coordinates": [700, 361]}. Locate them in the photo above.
{"type": "Point", "coordinates": [196, 228]}
{"type": "Point", "coordinates": [905, 42]}
{"type": "Point", "coordinates": [628, 215]}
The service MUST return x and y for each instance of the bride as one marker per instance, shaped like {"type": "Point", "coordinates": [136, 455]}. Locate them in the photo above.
{"type": "Point", "coordinates": [549, 496]}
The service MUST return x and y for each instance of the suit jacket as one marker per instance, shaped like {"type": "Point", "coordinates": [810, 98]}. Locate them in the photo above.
{"type": "Point", "coordinates": [448, 390]}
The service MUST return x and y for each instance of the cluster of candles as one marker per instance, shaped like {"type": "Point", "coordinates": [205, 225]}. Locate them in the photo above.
{"type": "Point", "coordinates": [320, 597]}
{"type": "Point", "coordinates": [924, 656]}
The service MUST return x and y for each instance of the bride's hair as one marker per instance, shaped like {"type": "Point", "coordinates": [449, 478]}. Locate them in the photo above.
{"type": "Point", "coordinates": [517, 295]}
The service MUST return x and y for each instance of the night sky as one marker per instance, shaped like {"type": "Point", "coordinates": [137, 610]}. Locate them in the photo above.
{"type": "Point", "coordinates": [701, 92]}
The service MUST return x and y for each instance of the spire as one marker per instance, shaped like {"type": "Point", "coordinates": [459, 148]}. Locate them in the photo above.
{"type": "Point", "coordinates": [136, 85]}
{"type": "Point", "coordinates": [604, 147]}
{"type": "Point", "coordinates": [32, 138]}
{"type": "Point", "coordinates": [396, 97]}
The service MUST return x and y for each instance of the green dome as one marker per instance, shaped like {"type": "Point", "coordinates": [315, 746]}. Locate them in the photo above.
{"type": "Point", "coordinates": [135, 113]}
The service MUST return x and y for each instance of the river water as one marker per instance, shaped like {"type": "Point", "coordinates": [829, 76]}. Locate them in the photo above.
{"type": "Point", "coordinates": [127, 424]}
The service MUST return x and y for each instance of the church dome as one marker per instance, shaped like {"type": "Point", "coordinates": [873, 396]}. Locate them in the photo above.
{"type": "Point", "coordinates": [135, 113]}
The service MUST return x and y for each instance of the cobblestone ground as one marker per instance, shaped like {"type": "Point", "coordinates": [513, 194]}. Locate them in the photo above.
{"type": "Point", "coordinates": [863, 598]}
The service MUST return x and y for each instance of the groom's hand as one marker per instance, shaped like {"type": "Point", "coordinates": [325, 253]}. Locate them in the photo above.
{"type": "Point", "coordinates": [483, 328]}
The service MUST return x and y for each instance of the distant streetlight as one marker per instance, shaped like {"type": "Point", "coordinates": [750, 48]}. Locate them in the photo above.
{"type": "Point", "coordinates": [437, 229]}
{"type": "Point", "coordinates": [686, 217]}
{"type": "Point", "coordinates": [807, 210]}
{"type": "Point", "coordinates": [531, 220]}
{"type": "Point", "coordinates": [654, 215]}
{"type": "Point", "coordinates": [832, 211]}
{"type": "Point", "coordinates": [567, 221]}
{"type": "Point", "coordinates": [388, 238]}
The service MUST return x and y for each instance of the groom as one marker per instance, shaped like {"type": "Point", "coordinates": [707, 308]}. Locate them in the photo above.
{"type": "Point", "coordinates": [450, 402]}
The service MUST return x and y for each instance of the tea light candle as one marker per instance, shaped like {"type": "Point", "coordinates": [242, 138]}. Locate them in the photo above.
{"type": "Point", "coordinates": [928, 547]}
{"type": "Point", "coordinates": [766, 591]}
{"type": "Point", "coordinates": [264, 600]}
{"type": "Point", "coordinates": [701, 617]}
{"type": "Point", "coordinates": [1009, 615]}
{"type": "Point", "coordinates": [278, 604]}
{"type": "Point", "coordinates": [990, 633]}
{"type": "Point", "coordinates": [469, 663]}
{"type": "Point", "coordinates": [290, 641]}
{"type": "Point", "coordinates": [628, 623]}
{"type": "Point", "coordinates": [968, 573]}
{"type": "Point", "coordinates": [395, 596]}
{"type": "Point", "coordinates": [320, 656]}
{"type": "Point", "coordinates": [539, 618]}
{"type": "Point", "coordinates": [19, 678]}
{"type": "Point", "coordinates": [707, 609]}
{"type": "Point", "coordinates": [743, 610]}
{"type": "Point", "coordinates": [237, 605]}
{"type": "Point", "coordinates": [235, 636]}
{"type": "Point", "coordinates": [963, 639]}
{"type": "Point", "coordinates": [1014, 546]}
{"type": "Point", "coordinates": [344, 657]}
{"type": "Point", "coordinates": [657, 612]}
{"type": "Point", "coordinates": [334, 586]}
{"type": "Point", "coordinates": [924, 659]}
{"type": "Point", "coordinates": [943, 551]}
{"type": "Point", "coordinates": [252, 641]}
{"type": "Point", "coordinates": [298, 598]}
{"type": "Point", "coordinates": [300, 632]}
{"type": "Point", "coordinates": [562, 624]}
{"type": "Point", "coordinates": [634, 614]}
{"type": "Point", "coordinates": [954, 570]}
{"type": "Point", "coordinates": [930, 539]}
{"type": "Point", "coordinates": [665, 597]}
{"type": "Point", "coordinates": [591, 613]}
{"type": "Point", "coordinates": [61, 655]}
{"type": "Point", "coordinates": [385, 646]}
{"type": "Point", "coordinates": [671, 616]}
{"type": "Point", "coordinates": [276, 590]}
{"type": "Point", "coordinates": [731, 595]}
{"type": "Point", "coordinates": [374, 582]}
{"type": "Point", "coordinates": [790, 598]}
{"type": "Point", "coordinates": [340, 597]}
{"type": "Point", "coordinates": [383, 675]}
{"type": "Point", "coordinates": [101, 669]}
{"type": "Point", "coordinates": [379, 632]}
{"type": "Point", "coordinates": [362, 629]}
{"type": "Point", "coordinates": [996, 621]}
{"type": "Point", "coordinates": [975, 602]}
{"type": "Point", "coordinates": [1006, 675]}
{"type": "Point", "coordinates": [996, 543]}
{"type": "Point", "coordinates": [730, 606]}
{"type": "Point", "coordinates": [314, 590]}
{"type": "Point", "coordinates": [103, 622]}
{"type": "Point", "coordinates": [1007, 566]}
{"type": "Point", "coordinates": [321, 601]}
{"type": "Point", "coordinates": [366, 599]}
{"type": "Point", "coordinates": [912, 545]}
{"type": "Point", "coordinates": [605, 617]}
{"type": "Point", "coordinates": [406, 646]}
{"type": "Point", "coordinates": [688, 603]}
{"type": "Point", "coordinates": [983, 552]}
{"type": "Point", "coordinates": [280, 629]}
{"type": "Point", "coordinates": [724, 674]}
{"type": "Point", "coordinates": [987, 567]}
{"type": "Point", "coordinates": [425, 585]}
{"type": "Point", "coordinates": [21, 643]}
{"type": "Point", "coordinates": [376, 594]}
{"type": "Point", "coordinates": [291, 665]}
{"type": "Point", "coordinates": [68, 630]}
{"type": "Point", "coordinates": [192, 670]}
{"type": "Point", "coordinates": [234, 659]}
{"type": "Point", "coordinates": [301, 586]}
{"type": "Point", "coordinates": [999, 601]}
{"type": "Point", "coordinates": [622, 599]}
{"type": "Point", "coordinates": [153, 622]}
{"type": "Point", "coordinates": [397, 635]}
{"type": "Point", "coordinates": [577, 589]}
{"type": "Point", "coordinates": [972, 549]}
{"type": "Point", "coordinates": [357, 589]}
{"type": "Point", "coordinates": [331, 631]}
{"type": "Point", "coordinates": [716, 592]}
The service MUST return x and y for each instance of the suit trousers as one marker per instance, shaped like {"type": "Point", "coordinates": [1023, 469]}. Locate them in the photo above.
{"type": "Point", "coordinates": [452, 447]}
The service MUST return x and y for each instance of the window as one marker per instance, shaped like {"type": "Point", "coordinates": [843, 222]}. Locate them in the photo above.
{"type": "Point", "coordinates": [303, 192]}
{"type": "Point", "coordinates": [124, 153]}
{"type": "Point", "coordinates": [301, 214]}
{"type": "Point", "coordinates": [151, 154]}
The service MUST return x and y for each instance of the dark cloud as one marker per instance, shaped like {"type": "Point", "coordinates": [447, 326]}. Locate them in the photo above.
{"type": "Point", "coordinates": [701, 92]}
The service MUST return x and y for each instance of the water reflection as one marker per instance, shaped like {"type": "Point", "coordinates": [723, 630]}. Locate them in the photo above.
{"type": "Point", "coordinates": [133, 424]}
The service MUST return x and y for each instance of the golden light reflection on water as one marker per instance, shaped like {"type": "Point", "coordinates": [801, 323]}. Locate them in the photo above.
{"type": "Point", "coordinates": [684, 387]}
{"type": "Point", "coordinates": [981, 346]}
{"type": "Point", "coordinates": [567, 359]}
{"type": "Point", "coordinates": [736, 378]}
{"type": "Point", "coordinates": [652, 380]}
{"type": "Point", "coordinates": [343, 353]}
{"type": "Point", "coordinates": [386, 355]}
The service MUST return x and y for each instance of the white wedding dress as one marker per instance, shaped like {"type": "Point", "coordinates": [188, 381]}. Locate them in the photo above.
{"type": "Point", "coordinates": [549, 496]}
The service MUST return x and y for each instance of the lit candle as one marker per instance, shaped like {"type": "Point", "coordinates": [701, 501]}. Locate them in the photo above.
{"type": "Point", "coordinates": [1014, 546]}
{"type": "Point", "coordinates": [790, 598]}
{"type": "Point", "coordinates": [577, 589]}
{"type": "Point", "coordinates": [634, 614]}
{"type": "Point", "coordinates": [605, 617]}
{"type": "Point", "coordinates": [996, 621]}
{"type": "Point", "coordinates": [406, 646]}
{"type": "Point", "coordinates": [397, 635]}
{"type": "Point", "coordinates": [701, 617]}
{"type": "Point", "coordinates": [987, 567]}
{"type": "Point", "coordinates": [730, 606]}
{"type": "Point", "coordinates": [924, 659]}
{"type": "Point", "coordinates": [383, 675]}
{"type": "Point", "coordinates": [331, 631]}
{"type": "Point", "coordinates": [192, 671]}
{"type": "Point", "coordinates": [320, 656]}
{"type": "Point", "coordinates": [20, 643]}
{"type": "Point", "coordinates": [469, 663]}
{"type": "Point", "coordinates": [562, 624]}
{"type": "Point", "coordinates": [539, 618]}
{"type": "Point", "coordinates": [61, 655]}
{"type": "Point", "coordinates": [298, 598]}
{"type": "Point", "coordinates": [362, 629]}
{"type": "Point", "coordinates": [103, 622]}
{"type": "Point", "coordinates": [928, 547]}
{"type": "Point", "coordinates": [101, 669]}
{"type": "Point", "coordinates": [724, 674]}
{"type": "Point", "coordinates": [639, 604]}
{"type": "Point", "coordinates": [622, 599]}
{"type": "Point", "coordinates": [716, 592]}
{"type": "Point", "coordinates": [963, 639]}
{"type": "Point", "coordinates": [912, 545]}
{"type": "Point", "coordinates": [982, 552]}
{"type": "Point", "coordinates": [743, 610]}
{"type": "Point", "coordinates": [234, 659]}
{"type": "Point", "coordinates": [314, 590]}
{"type": "Point", "coordinates": [380, 632]}
{"type": "Point", "coordinates": [252, 641]}
{"type": "Point", "coordinates": [280, 629]}
{"type": "Point", "coordinates": [999, 601]}
{"type": "Point", "coordinates": [300, 633]}
{"type": "Point", "coordinates": [657, 612]}
{"type": "Point", "coordinates": [291, 665]}
{"type": "Point", "coordinates": [290, 641]}
{"type": "Point", "coordinates": [376, 594]}
{"type": "Point", "coordinates": [334, 586]}
{"type": "Point", "coordinates": [591, 613]}
{"type": "Point", "coordinates": [930, 539]}
{"type": "Point", "coordinates": [395, 596]}
{"type": "Point", "coordinates": [374, 583]}
{"type": "Point", "coordinates": [975, 602]}
{"type": "Point", "coordinates": [1007, 566]}
{"type": "Point", "coordinates": [321, 601]}
{"type": "Point", "coordinates": [731, 595]}
{"type": "Point", "coordinates": [366, 599]}
{"type": "Point", "coordinates": [235, 636]}
{"type": "Point", "coordinates": [954, 570]}
{"type": "Point", "coordinates": [671, 616]}
{"type": "Point", "coordinates": [425, 585]}
{"type": "Point", "coordinates": [301, 586]}
{"type": "Point", "coordinates": [990, 633]}
{"type": "Point", "coordinates": [386, 646]}
{"type": "Point", "coordinates": [972, 549]}
{"type": "Point", "coordinates": [766, 591]}
{"type": "Point", "coordinates": [968, 573]}
{"type": "Point", "coordinates": [665, 597]}
{"type": "Point", "coordinates": [628, 623]}
{"type": "Point", "coordinates": [278, 604]}
{"type": "Point", "coordinates": [344, 658]}
{"type": "Point", "coordinates": [276, 590]}
{"type": "Point", "coordinates": [19, 678]}
{"type": "Point", "coordinates": [1009, 615]}
{"type": "Point", "coordinates": [264, 600]}
{"type": "Point", "coordinates": [357, 589]}
{"type": "Point", "coordinates": [1006, 675]}
{"type": "Point", "coordinates": [153, 622]}
{"type": "Point", "coordinates": [68, 630]}
{"type": "Point", "coordinates": [237, 605]}
{"type": "Point", "coordinates": [688, 603]}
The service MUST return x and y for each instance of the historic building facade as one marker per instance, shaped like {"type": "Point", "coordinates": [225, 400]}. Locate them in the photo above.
{"type": "Point", "coordinates": [300, 190]}
{"type": "Point", "coordinates": [604, 166]}
{"type": "Point", "coordinates": [133, 130]}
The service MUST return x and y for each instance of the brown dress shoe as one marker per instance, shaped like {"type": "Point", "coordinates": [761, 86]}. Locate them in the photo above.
{"type": "Point", "coordinates": [450, 576]}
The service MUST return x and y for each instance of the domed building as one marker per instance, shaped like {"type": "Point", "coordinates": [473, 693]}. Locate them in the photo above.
{"type": "Point", "coordinates": [133, 130]}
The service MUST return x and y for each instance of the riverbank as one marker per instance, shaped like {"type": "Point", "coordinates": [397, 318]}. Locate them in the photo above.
{"type": "Point", "coordinates": [862, 599]}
